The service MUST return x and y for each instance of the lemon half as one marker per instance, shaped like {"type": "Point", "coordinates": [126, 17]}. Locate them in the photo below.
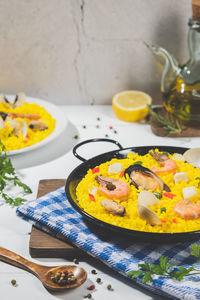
{"type": "Point", "coordinates": [131, 106]}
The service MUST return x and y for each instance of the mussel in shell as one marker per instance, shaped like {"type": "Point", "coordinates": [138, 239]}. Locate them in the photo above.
{"type": "Point", "coordinates": [144, 178]}
{"type": "Point", "coordinates": [192, 156]}
{"type": "Point", "coordinates": [113, 207]}
{"type": "Point", "coordinates": [145, 199]}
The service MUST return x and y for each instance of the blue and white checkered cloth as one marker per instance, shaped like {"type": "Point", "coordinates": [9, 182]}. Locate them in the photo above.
{"type": "Point", "coordinates": [53, 212]}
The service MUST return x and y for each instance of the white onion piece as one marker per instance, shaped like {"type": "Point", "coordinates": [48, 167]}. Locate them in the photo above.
{"type": "Point", "coordinates": [115, 168]}
{"type": "Point", "coordinates": [189, 192]}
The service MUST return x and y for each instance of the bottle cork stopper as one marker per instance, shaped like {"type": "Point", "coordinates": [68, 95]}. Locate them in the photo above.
{"type": "Point", "coordinates": [196, 10]}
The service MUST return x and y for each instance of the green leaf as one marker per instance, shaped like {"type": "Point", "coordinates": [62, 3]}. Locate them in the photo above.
{"type": "Point", "coordinates": [169, 266]}
{"type": "Point", "coordinates": [147, 277]}
{"type": "Point", "coordinates": [156, 269]}
{"type": "Point", "coordinates": [195, 250]}
{"type": "Point", "coordinates": [25, 187]}
{"type": "Point", "coordinates": [7, 174]}
{"type": "Point", "coordinates": [163, 263]}
{"type": "Point", "coordinates": [13, 201]}
{"type": "Point", "coordinates": [135, 274]}
{"type": "Point", "coordinates": [145, 266]}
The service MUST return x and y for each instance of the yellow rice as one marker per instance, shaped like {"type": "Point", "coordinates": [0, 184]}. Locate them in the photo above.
{"type": "Point", "coordinates": [131, 220]}
{"type": "Point", "coordinates": [13, 142]}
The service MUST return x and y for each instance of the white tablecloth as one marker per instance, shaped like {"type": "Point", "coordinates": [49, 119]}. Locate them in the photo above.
{"type": "Point", "coordinates": [55, 160]}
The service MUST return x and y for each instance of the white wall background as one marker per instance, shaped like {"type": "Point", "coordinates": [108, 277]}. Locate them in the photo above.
{"type": "Point", "coordinates": [84, 51]}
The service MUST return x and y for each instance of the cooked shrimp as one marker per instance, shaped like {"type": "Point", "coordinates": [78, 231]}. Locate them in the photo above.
{"type": "Point", "coordinates": [14, 115]}
{"type": "Point", "coordinates": [186, 210]}
{"type": "Point", "coordinates": [168, 165]}
{"type": "Point", "coordinates": [113, 188]}
{"type": "Point", "coordinates": [28, 116]}
{"type": "Point", "coordinates": [159, 156]}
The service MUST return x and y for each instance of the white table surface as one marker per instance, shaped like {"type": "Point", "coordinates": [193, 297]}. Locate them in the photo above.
{"type": "Point", "coordinates": [56, 160]}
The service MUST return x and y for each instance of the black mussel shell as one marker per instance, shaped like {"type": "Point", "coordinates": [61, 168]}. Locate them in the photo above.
{"type": "Point", "coordinates": [137, 168]}
{"type": "Point", "coordinates": [146, 171]}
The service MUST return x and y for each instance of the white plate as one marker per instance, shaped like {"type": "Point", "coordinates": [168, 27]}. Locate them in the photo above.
{"type": "Point", "coordinates": [56, 113]}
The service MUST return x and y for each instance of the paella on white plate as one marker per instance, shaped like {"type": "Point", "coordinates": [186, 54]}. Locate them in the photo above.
{"type": "Point", "coordinates": [27, 123]}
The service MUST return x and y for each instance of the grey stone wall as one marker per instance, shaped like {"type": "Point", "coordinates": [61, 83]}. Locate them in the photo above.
{"type": "Point", "coordinates": [84, 51]}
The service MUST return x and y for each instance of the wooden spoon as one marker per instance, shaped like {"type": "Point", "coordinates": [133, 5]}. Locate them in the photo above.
{"type": "Point", "coordinates": [44, 273]}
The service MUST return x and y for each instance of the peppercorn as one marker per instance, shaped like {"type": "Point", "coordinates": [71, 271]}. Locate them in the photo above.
{"type": "Point", "coordinates": [98, 119]}
{"type": "Point", "coordinates": [89, 296]}
{"type": "Point", "coordinates": [106, 135]}
{"type": "Point", "coordinates": [91, 287]}
{"type": "Point", "coordinates": [94, 272]}
{"type": "Point", "coordinates": [97, 126]}
{"type": "Point", "coordinates": [75, 261]}
{"type": "Point", "coordinates": [98, 280]}
{"type": "Point", "coordinates": [76, 137]}
{"type": "Point", "coordinates": [109, 287]}
{"type": "Point", "coordinates": [84, 126]}
{"type": "Point", "coordinates": [14, 282]}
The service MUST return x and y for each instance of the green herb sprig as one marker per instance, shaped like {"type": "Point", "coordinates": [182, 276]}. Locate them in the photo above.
{"type": "Point", "coordinates": [168, 122]}
{"type": "Point", "coordinates": [165, 268]}
{"type": "Point", "coordinates": [8, 176]}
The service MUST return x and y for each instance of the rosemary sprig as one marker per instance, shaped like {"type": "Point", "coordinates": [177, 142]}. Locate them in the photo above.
{"type": "Point", "coordinates": [168, 122]}
{"type": "Point", "coordinates": [165, 268]}
{"type": "Point", "coordinates": [9, 176]}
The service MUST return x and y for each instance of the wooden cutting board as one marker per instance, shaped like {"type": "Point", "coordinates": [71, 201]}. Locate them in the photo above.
{"type": "Point", "coordinates": [160, 131]}
{"type": "Point", "coordinates": [42, 244]}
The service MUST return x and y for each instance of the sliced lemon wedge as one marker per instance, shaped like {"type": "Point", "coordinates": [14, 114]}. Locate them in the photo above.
{"type": "Point", "coordinates": [131, 106]}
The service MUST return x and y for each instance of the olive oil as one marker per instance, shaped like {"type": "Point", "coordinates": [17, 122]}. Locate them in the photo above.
{"type": "Point", "coordinates": [183, 100]}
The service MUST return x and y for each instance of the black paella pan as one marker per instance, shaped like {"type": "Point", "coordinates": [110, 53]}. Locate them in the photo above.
{"type": "Point", "coordinates": [79, 172]}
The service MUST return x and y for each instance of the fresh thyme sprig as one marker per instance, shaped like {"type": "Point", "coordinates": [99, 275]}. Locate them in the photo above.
{"type": "Point", "coordinates": [8, 175]}
{"type": "Point", "coordinates": [168, 122]}
{"type": "Point", "coordinates": [165, 268]}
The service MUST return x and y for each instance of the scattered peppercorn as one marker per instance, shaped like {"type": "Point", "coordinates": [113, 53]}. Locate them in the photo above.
{"type": "Point", "coordinates": [94, 271]}
{"type": "Point", "coordinates": [89, 296]}
{"type": "Point", "coordinates": [109, 287]}
{"type": "Point", "coordinates": [98, 119]}
{"type": "Point", "coordinates": [106, 135]}
{"type": "Point", "coordinates": [91, 287]}
{"type": "Point", "coordinates": [84, 126]}
{"type": "Point", "coordinates": [76, 137]}
{"type": "Point", "coordinates": [75, 261]}
{"type": "Point", "coordinates": [115, 131]}
{"type": "Point", "coordinates": [98, 280]}
{"type": "Point", "coordinates": [13, 282]}
{"type": "Point", "coordinates": [97, 126]}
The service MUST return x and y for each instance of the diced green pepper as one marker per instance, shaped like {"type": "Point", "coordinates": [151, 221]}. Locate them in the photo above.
{"type": "Point", "coordinates": [158, 195]}
{"type": "Point", "coordinates": [163, 209]}
{"type": "Point", "coordinates": [138, 162]}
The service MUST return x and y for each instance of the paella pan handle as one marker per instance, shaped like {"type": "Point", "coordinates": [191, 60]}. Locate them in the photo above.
{"type": "Point", "coordinates": [92, 141]}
